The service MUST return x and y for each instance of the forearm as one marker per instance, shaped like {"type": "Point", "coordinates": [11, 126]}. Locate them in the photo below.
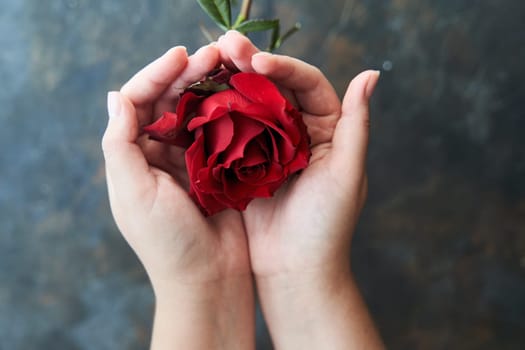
{"type": "Point", "coordinates": [310, 312]}
{"type": "Point", "coordinates": [218, 315]}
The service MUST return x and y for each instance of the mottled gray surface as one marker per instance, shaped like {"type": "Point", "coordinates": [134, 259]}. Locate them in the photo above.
{"type": "Point", "coordinates": [440, 252]}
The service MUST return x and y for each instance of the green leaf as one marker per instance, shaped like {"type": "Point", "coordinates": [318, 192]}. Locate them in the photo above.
{"type": "Point", "coordinates": [212, 9]}
{"type": "Point", "coordinates": [277, 43]}
{"type": "Point", "coordinates": [225, 9]}
{"type": "Point", "coordinates": [296, 27]}
{"type": "Point", "coordinates": [257, 25]}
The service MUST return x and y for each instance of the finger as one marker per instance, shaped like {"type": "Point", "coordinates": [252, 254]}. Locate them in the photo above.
{"type": "Point", "coordinates": [156, 153]}
{"type": "Point", "coordinates": [350, 140]}
{"type": "Point", "coordinates": [313, 91]}
{"type": "Point", "coordinates": [236, 51]}
{"type": "Point", "coordinates": [203, 61]}
{"type": "Point", "coordinates": [126, 167]}
{"type": "Point", "coordinates": [167, 158]}
{"type": "Point", "coordinates": [148, 85]}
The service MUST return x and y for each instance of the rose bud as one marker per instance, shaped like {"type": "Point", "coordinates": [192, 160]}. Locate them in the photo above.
{"type": "Point", "coordinates": [243, 139]}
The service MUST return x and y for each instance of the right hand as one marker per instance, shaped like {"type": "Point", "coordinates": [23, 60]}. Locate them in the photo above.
{"type": "Point", "coordinates": [299, 240]}
{"type": "Point", "coordinates": [308, 224]}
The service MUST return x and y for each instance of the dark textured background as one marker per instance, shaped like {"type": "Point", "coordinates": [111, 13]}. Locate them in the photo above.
{"type": "Point", "coordinates": [440, 251]}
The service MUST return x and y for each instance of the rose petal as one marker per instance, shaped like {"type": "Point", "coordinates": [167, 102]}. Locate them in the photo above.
{"type": "Point", "coordinates": [199, 121]}
{"type": "Point", "coordinates": [207, 182]}
{"type": "Point", "coordinates": [302, 157]}
{"type": "Point", "coordinates": [245, 129]}
{"type": "Point", "coordinates": [259, 89]}
{"type": "Point", "coordinates": [240, 204]}
{"type": "Point", "coordinates": [275, 174]}
{"type": "Point", "coordinates": [286, 149]}
{"type": "Point", "coordinates": [247, 142]}
{"type": "Point", "coordinates": [294, 125]}
{"type": "Point", "coordinates": [195, 161]}
{"type": "Point", "coordinates": [219, 134]}
{"type": "Point", "coordinates": [217, 171]}
{"type": "Point", "coordinates": [165, 128]}
{"type": "Point", "coordinates": [229, 99]}
{"type": "Point", "coordinates": [253, 155]}
{"type": "Point", "coordinates": [169, 128]}
{"type": "Point", "coordinates": [234, 189]}
{"type": "Point", "coordinates": [262, 143]}
{"type": "Point", "coordinates": [275, 151]}
{"type": "Point", "coordinates": [261, 114]}
{"type": "Point", "coordinates": [187, 105]}
{"type": "Point", "coordinates": [250, 175]}
{"type": "Point", "coordinates": [283, 147]}
{"type": "Point", "coordinates": [195, 158]}
{"type": "Point", "coordinates": [227, 202]}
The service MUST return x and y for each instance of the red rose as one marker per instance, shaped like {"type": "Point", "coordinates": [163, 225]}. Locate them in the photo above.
{"type": "Point", "coordinates": [242, 143]}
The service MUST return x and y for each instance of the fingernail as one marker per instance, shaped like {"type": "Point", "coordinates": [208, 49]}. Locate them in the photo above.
{"type": "Point", "coordinates": [232, 32]}
{"type": "Point", "coordinates": [205, 47]}
{"type": "Point", "coordinates": [114, 104]}
{"type": "Point", "coordinates": [263, 54]}
{"type": "Point", "coordinates": [372, 83]}
{"type": "Point", "coordinates": [180, 47]}
{"type": "Point", "coordinates": [200, 49]}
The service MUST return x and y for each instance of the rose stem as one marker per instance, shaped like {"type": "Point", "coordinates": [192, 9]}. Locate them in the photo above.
{"type": "Point", "coordinates": [245, 9]}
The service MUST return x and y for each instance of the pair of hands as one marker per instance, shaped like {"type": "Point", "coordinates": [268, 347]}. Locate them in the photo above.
{"type": "Point", "coordinates": [295, 244]}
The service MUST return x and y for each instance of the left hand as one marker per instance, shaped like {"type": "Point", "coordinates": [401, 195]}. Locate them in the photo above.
{"type": "Point", "coordinates": [199, 267]}
{"type": "Point", "coordinates": [147, 182]}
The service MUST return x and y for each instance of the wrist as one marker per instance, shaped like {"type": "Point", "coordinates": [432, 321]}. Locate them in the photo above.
{"type": "Point", "coordinates": [310, 286]}
{"type": "Point", "coordinates": [199, 292]}
{"type": "Point", "coordinates": [211, 315]}
{"type": "Point", "coordinates": [331, 272]}
{"type": "Point", "coordinates": [317, 309]}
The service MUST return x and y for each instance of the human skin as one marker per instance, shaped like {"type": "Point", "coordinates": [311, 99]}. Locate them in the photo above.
{"type": "Point", "coordinates": [300, 239]}
{"type": "Point", "coordinates": [199, 268]}
{"type": "Point", "coordinates": [295, 245]}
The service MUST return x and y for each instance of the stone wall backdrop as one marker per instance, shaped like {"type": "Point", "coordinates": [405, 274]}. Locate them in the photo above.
{"type": "Point", "coordinates": [440, 250]}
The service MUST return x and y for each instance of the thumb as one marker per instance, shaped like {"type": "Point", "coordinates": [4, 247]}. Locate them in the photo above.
{"type": "Point", "coordinates": [350, 139]}
{"type": "Point", "coordinates": [126, 167]}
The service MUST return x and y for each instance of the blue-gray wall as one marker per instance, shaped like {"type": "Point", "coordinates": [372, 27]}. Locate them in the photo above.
{"type": "Point", "coordinates": [440, 251]}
